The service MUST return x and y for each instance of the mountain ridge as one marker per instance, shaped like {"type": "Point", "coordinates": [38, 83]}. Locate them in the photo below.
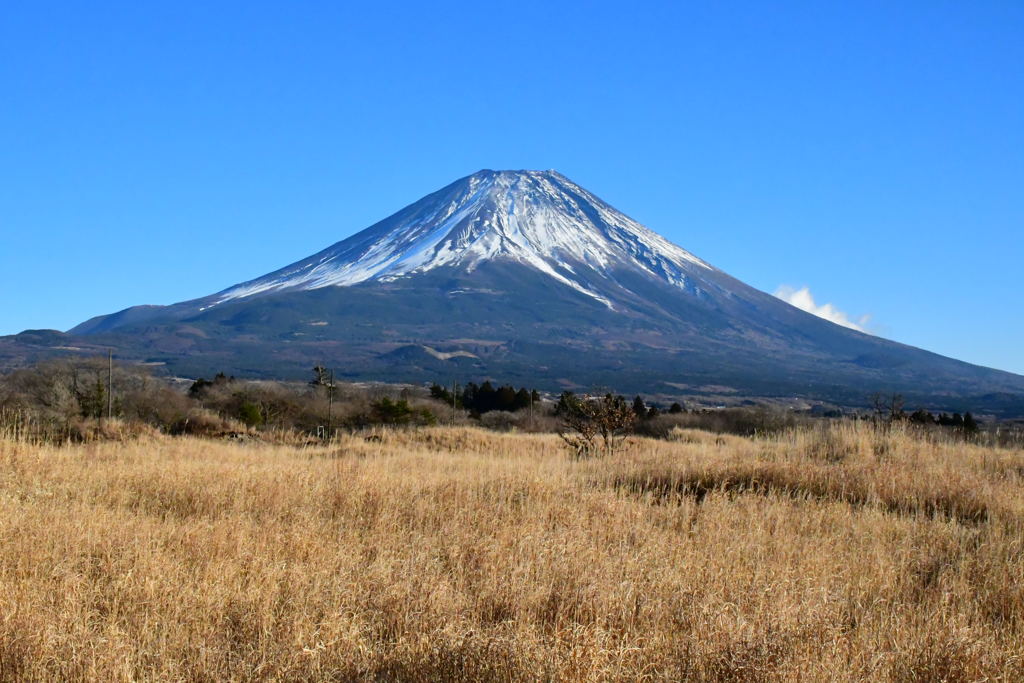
{"type": "Point", "coordinates": [557, 285]}
{"type": "Point", "coordinates": [540, 218]}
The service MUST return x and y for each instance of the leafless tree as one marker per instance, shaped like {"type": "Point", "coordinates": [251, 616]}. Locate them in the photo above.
{"type": "Point", "coordinates": [887, 409]}
{"type": "Point", "coordinates": [596, 426]}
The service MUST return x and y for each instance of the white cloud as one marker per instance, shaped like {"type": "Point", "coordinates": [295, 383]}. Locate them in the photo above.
{"type": "Point", "coordinates": [802, 299]}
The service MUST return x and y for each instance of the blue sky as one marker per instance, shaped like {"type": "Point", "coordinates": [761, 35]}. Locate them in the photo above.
{"type": "Point", "coordinates": [872, 152]}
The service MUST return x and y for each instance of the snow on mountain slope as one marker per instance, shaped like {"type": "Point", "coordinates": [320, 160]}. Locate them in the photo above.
{"type": "Point", "coordinates": [537, 218]}
{"type": "Point", "coordinates": [526, 276]}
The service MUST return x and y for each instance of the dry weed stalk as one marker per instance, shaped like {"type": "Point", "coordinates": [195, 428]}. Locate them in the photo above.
{"type": "Point", "coordinates": [460, 554]}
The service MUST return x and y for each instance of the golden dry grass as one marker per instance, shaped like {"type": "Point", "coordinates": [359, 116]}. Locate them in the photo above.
{"type": "Point", "coordinates": [460, 554]}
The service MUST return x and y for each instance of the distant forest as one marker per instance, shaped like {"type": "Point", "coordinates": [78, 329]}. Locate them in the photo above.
{"type": "Point", "coordinates": [72, 398]}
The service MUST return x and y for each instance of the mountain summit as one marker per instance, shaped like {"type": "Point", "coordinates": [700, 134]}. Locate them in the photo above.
{"type": "Point", "coordinates": [538, 219]}
{"type": "Point", "coordinates": [525, 276]}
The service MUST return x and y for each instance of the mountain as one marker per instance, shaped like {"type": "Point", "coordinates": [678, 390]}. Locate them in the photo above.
{"type": "Point", "coordinates": [525, 276]}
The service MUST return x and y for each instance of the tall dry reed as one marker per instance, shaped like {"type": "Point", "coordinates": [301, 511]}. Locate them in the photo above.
{"type": "Point", "coordinates": [460, 554]}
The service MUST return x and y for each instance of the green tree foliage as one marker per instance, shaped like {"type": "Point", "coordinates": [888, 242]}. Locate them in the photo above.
{"type": "Point", "coordinates": [250, 414]}
{"type": "Point", "coordinates": [522, 399]}
{"type": "Point", "coordinates": [675, 409]}
{"type": "Point", "coordinates": [966, 423]}
{"type": "Point", "coordinates": [92, 397]}
{"type": "Point", "coordinates": [485, 398]}
{"type": "Point", "coordinates": [201, 387]}
{"type": "Point", "coordinates": [443, 394]}
{"type": "Point", "coordinates": [399, 412]}
{"type": "Point", "coordinates": [566, 403]}
{"type": "Point", "coordinates": [639, 408]}
{"type": "Point", "coordinates": [956, 420]}
{"type": "Point", "coordinates": [922, 417]}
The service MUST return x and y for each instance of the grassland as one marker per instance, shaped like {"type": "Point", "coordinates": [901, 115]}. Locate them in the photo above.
{"type": "Point", "coordinates": [460, 554]}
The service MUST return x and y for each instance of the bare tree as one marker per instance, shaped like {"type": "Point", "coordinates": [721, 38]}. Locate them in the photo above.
{"type": "Point", "coordinates": [887, 409]}
{"type": "Point", "coordinates": [321, 376]}
{"type": "Point", "coordinates": [596, 426]}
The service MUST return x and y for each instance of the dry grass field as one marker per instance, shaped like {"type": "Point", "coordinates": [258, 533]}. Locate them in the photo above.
{"type": "Point", "coordinates": [460, 554]}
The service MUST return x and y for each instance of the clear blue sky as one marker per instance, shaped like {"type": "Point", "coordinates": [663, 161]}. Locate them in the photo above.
{"type": "Point", "coordinates": [871, 151]}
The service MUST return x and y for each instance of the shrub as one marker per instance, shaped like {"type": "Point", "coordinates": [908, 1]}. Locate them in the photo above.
{"type": "Point", "coordinates": [595, 426]}
{"type": "Point", "coordinates": [502, 421]}
{"type": "Point", "coordinates": [202, 422]}
{"type": "Point", "coordinates": [250, 414]}
{"type": "Point", "coordinates": [399, 412]}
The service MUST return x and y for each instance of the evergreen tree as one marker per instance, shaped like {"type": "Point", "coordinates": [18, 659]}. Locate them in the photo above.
{"type": "Point", "coordinates": [93, 401]}
{"type": "Point", "coordinates": [469, 397]}
{"type": "Point", "coordinates": [922, 417]}
{"type": "Point", "coordinates": [444, 395]}
{"type": "Point", "coordinates": [505, 399]}
{"type": "Point", "coordinates": [201, 386]}
{"type": "Point", "coordinates": [485, 398]}
{"type": "Point", "coordinates": [675, 408]}
{"type": "Point", "coordinates": [387, 411]}
{"type": "Point", "coordinates": [567, 402]}
{"type": "Point", "coordinates": [250, 414]}
{"type": "Point", "coordinates": [522, 399]}
{"type": "Point", "coordinates": [639, 408]}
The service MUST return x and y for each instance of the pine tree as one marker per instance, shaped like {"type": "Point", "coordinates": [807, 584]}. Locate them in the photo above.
{"type": "Point", "coordinates": [469, 397]}
{"type": "Point", "coordinates": [485, 398]}
{"type": "Point", "coordinates": [922, 416]}
{"type": "Point", "coordinates": [505, 399]}
{"type": "Point", "coordinates": [522, 399]}
{"type": "Point", "coordinates": [639, 408]}
{"type": "Point", "coordinates": [567, 402]}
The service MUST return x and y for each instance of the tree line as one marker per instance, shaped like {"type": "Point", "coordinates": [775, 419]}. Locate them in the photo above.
{"type": "Point", "coordinates": [64, 397]}
{"type": "Point", "coordinates": [484, 398]}
{"type": "Point", "coordinates": [889, 409]}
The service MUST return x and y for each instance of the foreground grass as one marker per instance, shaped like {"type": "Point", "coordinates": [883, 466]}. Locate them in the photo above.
{"type": "Point", "coordinates": [448, 554]}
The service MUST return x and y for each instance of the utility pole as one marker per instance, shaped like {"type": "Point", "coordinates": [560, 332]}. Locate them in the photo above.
{"type": "Point", "coordinates": [110, 383]}
{"type": "Point", "coordinates": [330, 407]}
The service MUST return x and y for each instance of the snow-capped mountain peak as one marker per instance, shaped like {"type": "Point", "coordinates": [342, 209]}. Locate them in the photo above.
{"type": "Point", "coordinates": [527, 277]}
{"type": "Point", "coordinates": [536, 218]}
